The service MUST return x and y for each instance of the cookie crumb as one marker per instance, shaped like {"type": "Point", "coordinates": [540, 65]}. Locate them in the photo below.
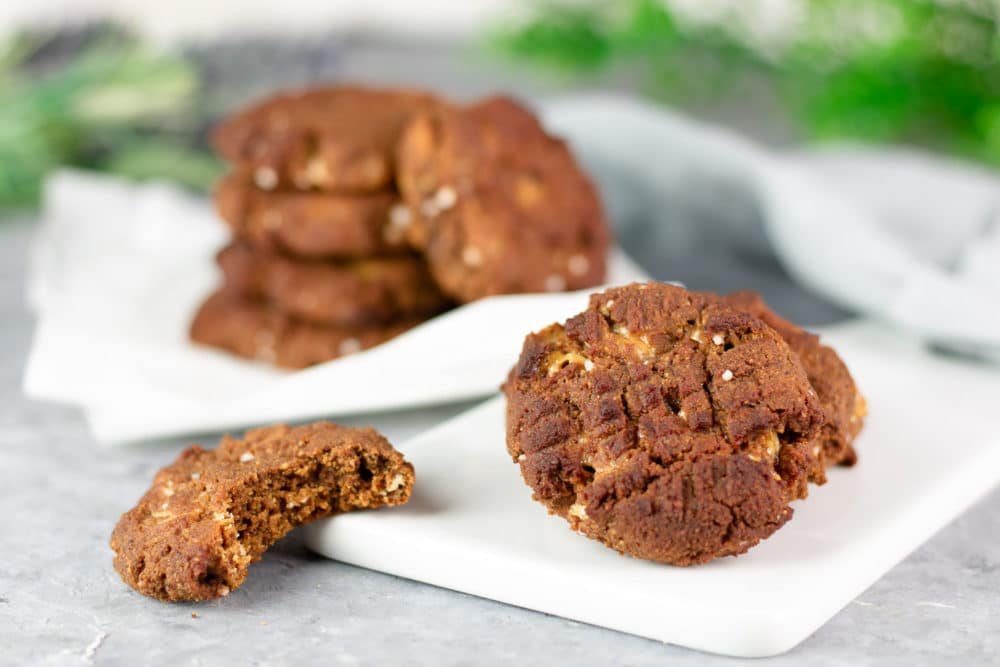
{"type": "Point", "coordinates": [195, 615]}
{"type": "Point", "coordinates": [727, 375]}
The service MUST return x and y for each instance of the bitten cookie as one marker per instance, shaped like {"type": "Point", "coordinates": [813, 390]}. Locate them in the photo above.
{"type": "Point", "coordinates": [663, 423]}
{"type": "Point", "coordinates": [337, 138]}
{"type": "Point", "coordinates": [312, 225]}
{"type": "Point", "coordinates": [333, 293]}
{"type": "Point", "coordinates": [843, 404]}
{"type": "Point", "coordinates": [253, 330]}
{"type": "Point", "coordinates": [499, 205]}
{"type": "Point", "coordinates": [210, 514]}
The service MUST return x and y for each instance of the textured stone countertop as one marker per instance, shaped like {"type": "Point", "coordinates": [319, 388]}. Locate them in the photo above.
{"type": "Point", "coordinates": [62, 603]}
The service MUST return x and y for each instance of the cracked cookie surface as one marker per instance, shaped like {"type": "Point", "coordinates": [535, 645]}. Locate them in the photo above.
{"type": "Point", "coordinates": [212, 513]}
{"type": "Point", "coordinates": [499, 206]}
{"type": "Point", "coordinates": [663, 423]}
{"type": "Point", "coordinates": [339, 138]}
{"type": "Point", "coordinates": [843, 403]}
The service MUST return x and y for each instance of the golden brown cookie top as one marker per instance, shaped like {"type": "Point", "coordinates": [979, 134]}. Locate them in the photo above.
{"type": "Point", "coordinates": [500, 205]}
{"type": "Point", "coordinates": [663, 423]}
{"type": "Point", "coordinates": [332, 138]}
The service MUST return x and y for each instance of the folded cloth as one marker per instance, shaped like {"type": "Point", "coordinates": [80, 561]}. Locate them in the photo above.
{"type": "Point", "coordinates": [117, 273]}
{"type": "Point", "coordinates": [892, 234]}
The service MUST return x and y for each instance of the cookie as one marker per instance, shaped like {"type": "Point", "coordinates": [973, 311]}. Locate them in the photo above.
{"type": "Point", "coordinates": [333, 293]}
{"type": "Point", "coordinates": [843, 404]}
{"type": "Point", "coordinates": [253, 330]}
{"type": "Point", "coordinates": [663, 423]}
{"type": "Point", "coordinates": [312, 225]}
{"type": "Point", "coordinates": [212, 513]}
{"type": "Point", "coordinates": [499, 205]}
{"type": "Point", "coordinates": [339, 138]}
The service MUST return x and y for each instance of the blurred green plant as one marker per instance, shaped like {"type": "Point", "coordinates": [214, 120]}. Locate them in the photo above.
{"type": "Point", "coordinates": [113, 106]}
{"type": "Point", "coordinates": [904, 71]}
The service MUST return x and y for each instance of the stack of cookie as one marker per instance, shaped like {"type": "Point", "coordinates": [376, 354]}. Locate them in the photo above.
{"type": "Point", "coordinates": [358, 213]}
{"type": "Point", "coordinates": [317, 268]}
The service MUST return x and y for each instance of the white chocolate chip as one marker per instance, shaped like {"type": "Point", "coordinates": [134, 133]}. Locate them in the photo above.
{"type": "Point", "coordinates": [578, 265]}
{"type": "Point", "coordinates": [349, 346]}
{"type": "Point", "coordinates": [696, 335]}
{"type": "Point", "coordinates": [445, 197]}
{"type": "Point", "coordinates": [578, 510]}
{"type": "Point", "coordinates": [316, 171]}
{"type": "Point", "coordinates": [472, 256]}
{"type": "Point", "coordinates": [588, 365]}
{"type": "Point", "coordinates": [522, 457]}
{"type": "Point", "coordinates": [265, 178]}
{"type": "Point", "coordinates": [718, 339]}
{"type": "Point", "coordinates": [400, 215]}
{"type": "Point", "coordinates": [727, 375]}
{"type": "Point", "coordinates": [396, 482]}
{"type": "Point", "coordinates": [196, 475]}
{"type": "Point", "coordinates": [555, 283]}
{"type": "Point", "coordinates": [246, 457]}
{"type": "Point", "coordinates": [168, 491]}
{"type": "Point", "coordinates": [682, 414]}
{"type": "Point", "coordinates": [610, 303]}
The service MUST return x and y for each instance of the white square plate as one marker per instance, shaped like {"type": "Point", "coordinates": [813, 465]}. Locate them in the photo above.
{"type": "Point", "coordinates": [931, 447]}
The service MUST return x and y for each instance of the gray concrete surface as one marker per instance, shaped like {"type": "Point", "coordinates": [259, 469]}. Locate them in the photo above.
{"type": "Point", "coordinates": [62, 603]}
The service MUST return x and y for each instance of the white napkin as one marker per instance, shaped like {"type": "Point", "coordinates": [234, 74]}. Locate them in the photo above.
{"type": "Point", "coordinates": [893, 234]}
{"type": "Point", "coordinates": [117, 273]}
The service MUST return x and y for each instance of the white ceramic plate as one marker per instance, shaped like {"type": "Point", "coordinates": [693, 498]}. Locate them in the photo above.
{"type": "Point", "coordinates": [930, 447]}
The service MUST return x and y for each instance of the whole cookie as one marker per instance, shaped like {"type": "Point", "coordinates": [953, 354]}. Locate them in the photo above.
{"type": "Point", "coordinates": [312, 225]}
{"type": "Point", "coordinates": [843, 404]}
{"type": "Point", "coordinates": [210, 514]}
{"type": "Point", "coordinates": [253, 330]}
{"type": "Point", "coordinates": [333, 138]}
{"type": "Point", "coordinates": [333, 293]}
{"type": "Point", "coordinates": [663, 423]}
{"type": "Point", "coordinates": [499, 205]}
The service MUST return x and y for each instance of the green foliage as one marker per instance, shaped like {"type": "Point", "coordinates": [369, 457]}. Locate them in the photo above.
{"type": "Point", "coordinates": [114, 106]}
{"type": "Point", "coordinates": [906, 71]}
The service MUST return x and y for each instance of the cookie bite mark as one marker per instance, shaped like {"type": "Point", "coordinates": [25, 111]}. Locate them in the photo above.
{"type": "Point", "coordinates": [666, 445]}
{"type": "Point", "coordinates": [211, 514]}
